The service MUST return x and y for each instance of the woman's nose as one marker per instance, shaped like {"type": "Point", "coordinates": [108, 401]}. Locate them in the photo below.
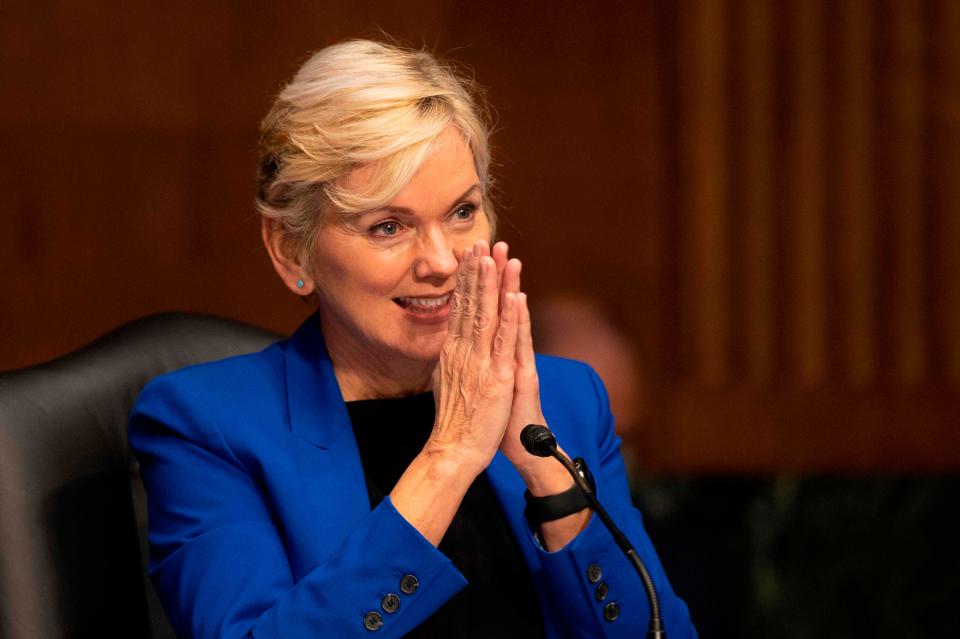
{"type": "Point", "coordinates": [437, 259]}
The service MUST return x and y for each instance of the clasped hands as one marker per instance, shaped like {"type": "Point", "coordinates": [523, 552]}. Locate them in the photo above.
{"type": "Point", "coordinates": [485, 384]}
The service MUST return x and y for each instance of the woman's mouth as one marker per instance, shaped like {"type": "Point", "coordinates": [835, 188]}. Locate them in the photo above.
{"type": "Point", "coordinates": [427, 308]}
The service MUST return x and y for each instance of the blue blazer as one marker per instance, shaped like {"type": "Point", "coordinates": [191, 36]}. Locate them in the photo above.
{"type": "Point", "coordinates": [260, 525]}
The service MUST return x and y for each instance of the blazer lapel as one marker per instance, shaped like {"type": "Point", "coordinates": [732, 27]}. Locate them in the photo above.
{"type": "Point", "coordinates": [314, 404]}
{"type": "Point", "coordinates": [334, 494]}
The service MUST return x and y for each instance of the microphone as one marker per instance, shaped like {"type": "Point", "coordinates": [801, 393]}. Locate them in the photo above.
{"type": "Point", "coordinates": [539, 440]}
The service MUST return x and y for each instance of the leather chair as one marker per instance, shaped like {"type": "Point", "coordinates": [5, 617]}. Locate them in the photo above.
{"type": "Point", "coordinates": [72, 507]}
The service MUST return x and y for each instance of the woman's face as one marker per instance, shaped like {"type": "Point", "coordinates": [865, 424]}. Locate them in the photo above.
{"type": "Point", "coordinates": [384, 277]}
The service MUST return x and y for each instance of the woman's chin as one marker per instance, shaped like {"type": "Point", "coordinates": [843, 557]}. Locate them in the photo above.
{"type": "Point", "coordinates": [428, 353]}
{"type": "Point", "coordinates": [424, 348]}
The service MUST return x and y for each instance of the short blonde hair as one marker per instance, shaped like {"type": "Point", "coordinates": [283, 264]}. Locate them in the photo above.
{"type": "Point", "coordinates": [351, 104]}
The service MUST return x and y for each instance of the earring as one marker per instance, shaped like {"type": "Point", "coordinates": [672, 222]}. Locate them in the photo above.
{"type": "Point", "coordinates": [300, 283]}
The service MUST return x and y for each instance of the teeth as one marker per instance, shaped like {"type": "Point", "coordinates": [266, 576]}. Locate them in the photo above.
{"type": "Point", "coordinates": [429, 302]}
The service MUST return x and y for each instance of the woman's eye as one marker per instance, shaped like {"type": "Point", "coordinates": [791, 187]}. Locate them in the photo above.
{"type": "Point", "coordinates": [465, 211]}
{"type": "Point", "coordinates": [386, 229]}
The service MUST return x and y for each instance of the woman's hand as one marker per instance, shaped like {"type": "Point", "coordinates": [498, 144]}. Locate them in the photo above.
{"type": "Point", "coordinates": [473, 390]}
{"type": "Point", "coordinates": [543, 475]}
{"type": "Point", "coordinates": [474, 379]}
{"type": "Point", "coordinates": [526, 390]}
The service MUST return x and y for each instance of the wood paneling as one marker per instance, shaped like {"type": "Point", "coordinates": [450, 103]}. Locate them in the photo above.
{"type": "Point", "coordinates": [943, 87]}
{"type": "Point", "coordinates": [906, 92]}
{"type": "Point", "coordinates": [804, 197]}
{"type": "Point", "coordinates": [855, 200]}
{"type": "Point", "coordinates": [702, 139]}
{"type": "Point", "coordinates": [823, 254]}
{"type": "Point", "coordinates": [756, 131]}
{"type": "Point", "coordinates": [828, 430]}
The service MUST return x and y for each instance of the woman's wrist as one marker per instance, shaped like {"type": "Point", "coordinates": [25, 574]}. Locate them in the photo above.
{"type": "Point", "coordinates": [446, 459]}
{"type": "Point", "coordinates": [544, 476]}
{"type": "Point", "coordinates": [430, 491]}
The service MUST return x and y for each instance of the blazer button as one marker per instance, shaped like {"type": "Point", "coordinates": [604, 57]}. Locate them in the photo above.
{"type": "Point", "coordinates": [601, 592]}
{"type": "Point", "coordinates": [390, 603]}
{"type": "Point", "coordinates": [611, 611]}
{"type": "Point", "coordinates": [409, 584]}
{"type": "Point", "coordinates": [372, 621]}
{"type": "Point", "coordinates": [594, 573]}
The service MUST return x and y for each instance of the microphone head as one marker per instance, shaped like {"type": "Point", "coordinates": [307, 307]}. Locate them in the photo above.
{"type": "Point", "coordinates": [538, 440]}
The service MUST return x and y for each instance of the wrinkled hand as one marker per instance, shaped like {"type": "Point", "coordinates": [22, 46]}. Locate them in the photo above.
{"type": "Point", "coordinates": [526, 392]}
{"type": "Point", "coordinates": [474, 380]}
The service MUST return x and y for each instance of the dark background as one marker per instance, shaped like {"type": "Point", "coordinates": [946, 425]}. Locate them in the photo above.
{"type": "Point", "coordinates": [763, 197]}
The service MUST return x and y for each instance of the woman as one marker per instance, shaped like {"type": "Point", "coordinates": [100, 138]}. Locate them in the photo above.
{"type": "Point", "coordinates": [358, 476]}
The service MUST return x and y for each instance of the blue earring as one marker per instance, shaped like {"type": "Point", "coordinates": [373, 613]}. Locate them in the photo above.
{"type": "Point", "coordinates": [300, 283]}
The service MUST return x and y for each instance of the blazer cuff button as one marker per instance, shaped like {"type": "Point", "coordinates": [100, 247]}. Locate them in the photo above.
{"type": "Point", "coordinates": [611, 611]}
{"type": "Point", "coordinates": [409, 584]}
{"type": "Point", "coordinates": [390, 603]}
{"type": "Point", "coordinates": [372, 621]}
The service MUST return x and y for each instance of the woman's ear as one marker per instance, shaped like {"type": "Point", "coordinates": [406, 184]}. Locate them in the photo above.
{"type": "Point", "coordinates": [285, 262]}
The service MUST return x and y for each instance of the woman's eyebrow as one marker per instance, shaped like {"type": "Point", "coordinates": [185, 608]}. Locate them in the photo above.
{"type": "Point", "coordinates": [402, 210]}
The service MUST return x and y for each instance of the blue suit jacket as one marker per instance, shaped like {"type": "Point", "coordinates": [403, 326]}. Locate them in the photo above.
{"type": "Point", "coordinates": [260, 524]}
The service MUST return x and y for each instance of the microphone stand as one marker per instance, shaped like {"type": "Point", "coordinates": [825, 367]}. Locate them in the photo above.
{"type": "Point", "coordinates": [539, 440]}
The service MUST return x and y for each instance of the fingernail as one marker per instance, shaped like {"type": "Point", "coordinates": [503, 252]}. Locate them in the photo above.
{"type": "Point", "coordinates": [476, 249]}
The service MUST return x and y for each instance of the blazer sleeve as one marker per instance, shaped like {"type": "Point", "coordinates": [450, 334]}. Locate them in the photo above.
{"type": "Point", "coordinates": [218, 559]}
{"type": "Point", "coordinates": [573, 574]}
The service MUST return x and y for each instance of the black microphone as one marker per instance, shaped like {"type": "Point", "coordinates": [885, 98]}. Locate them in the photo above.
{"type": "Point", "coordinates": [539, 440]}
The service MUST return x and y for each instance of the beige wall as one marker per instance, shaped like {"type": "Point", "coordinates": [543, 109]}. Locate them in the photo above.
{"type": "Point", "coordinates": [766, 195]}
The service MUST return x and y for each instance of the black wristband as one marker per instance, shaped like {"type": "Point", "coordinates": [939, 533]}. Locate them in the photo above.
{"type": "Point", "coordinates": [551, 507]}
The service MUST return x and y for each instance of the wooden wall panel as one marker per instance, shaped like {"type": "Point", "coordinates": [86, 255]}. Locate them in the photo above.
{"type": "Point", "coordinates": [854, 197]}
{"type": "Point", "coordinates": [906, 92]}
{"type": "Point", "coordinates": [837, 238]}
{"type": "Point", "coordinates": [804, 197]}
{"type": "Point", "coordinates": [757, 246]}
{"type": "Point", "coordinates": [704, 255]}
{"type": "Point", "coordinates": [943, 185]}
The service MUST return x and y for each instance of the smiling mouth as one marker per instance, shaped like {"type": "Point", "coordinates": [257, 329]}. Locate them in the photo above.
{"type": "Point", "coordinates": [423, 304]}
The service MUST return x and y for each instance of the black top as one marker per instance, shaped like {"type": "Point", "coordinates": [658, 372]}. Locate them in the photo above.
{"type": "Point", "coordinates": [499, 599]}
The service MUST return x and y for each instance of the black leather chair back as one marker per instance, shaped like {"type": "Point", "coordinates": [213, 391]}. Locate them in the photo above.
{"type": "Point", "coordinates": [72, 507]}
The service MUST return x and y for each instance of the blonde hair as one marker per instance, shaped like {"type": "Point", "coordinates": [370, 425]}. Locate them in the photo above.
{"type": "Point", "coordinates": [355, 103]}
